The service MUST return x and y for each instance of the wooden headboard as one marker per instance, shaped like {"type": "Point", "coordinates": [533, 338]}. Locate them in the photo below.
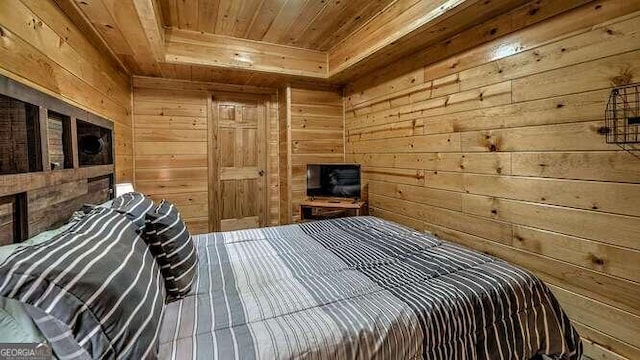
{"type": "Point", "coordinates": [49, 166]}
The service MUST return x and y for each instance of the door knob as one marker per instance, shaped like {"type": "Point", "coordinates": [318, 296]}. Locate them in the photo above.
{"type": "Point", "coordinates": [261, 172]}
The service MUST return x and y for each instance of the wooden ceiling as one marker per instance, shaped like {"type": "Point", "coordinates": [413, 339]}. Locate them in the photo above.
{"type": "Point", "coordinates": [309, 24]}
{"type": "Point", "coordinates": [271, 42]}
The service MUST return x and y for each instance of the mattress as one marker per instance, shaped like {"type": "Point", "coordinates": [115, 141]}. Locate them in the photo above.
{"type": "Point", "coordinates": [359, 287]}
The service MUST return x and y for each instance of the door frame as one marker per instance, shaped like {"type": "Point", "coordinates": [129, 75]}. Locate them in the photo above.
{"type": "Point", "coordinates": [213, 151]}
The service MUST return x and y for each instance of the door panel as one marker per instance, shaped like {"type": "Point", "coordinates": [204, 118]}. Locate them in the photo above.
{"type": "Point", "coordinates": [240, 153]}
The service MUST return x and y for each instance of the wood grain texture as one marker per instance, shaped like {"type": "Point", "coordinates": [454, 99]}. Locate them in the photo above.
{"type": "Point", "coordinates": [312, 124]}
{"type": "Point", "coordinates": [166, 128]}
{"type": "Point", "coordinates": [174, 146]}
{"type": "Point", "coordinates": [52, 206]}
{"type": "Point", "coordinates": [188, 47]}
{"type": "Point", "coordinates": [306, 24]}
{"type": "Point", "coordinates": [42, 48]}
{"type": "Point", "coordinates": [446, 30]}
{"type": "Point", "coordinates": [486, 46]}
{"type": "Point", "coordinates": [7, 220]}
{"type": "Point", "coordinates": [135, 32]}
{"type": "Point", "coordinates": [407, 25]}
{"type": "Point", "coordinates": [503, 153]}
{"type": "Point", "coordinates": [150, 16]}
{"type": "Point", "coordinates": [273, 160]}
{"type": "Point", "coordinates": [35, 202]}
{"type": "Point", "coordinates": [237, 75]}
{"type": "Point", "coordinates": [240, 186]}
{"type": "Point", "coordinates": [131, 30]}
{"type": "Point", "coordinates": [31, 203]}
{"type": "Point", "coordinates": [275, 42]}
{"type": "Point", "coordinates": [284, 153]}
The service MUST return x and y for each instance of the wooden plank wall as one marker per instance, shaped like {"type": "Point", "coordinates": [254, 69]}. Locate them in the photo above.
{"type": "Point", "coordinates": [14, 138]}
{"type": "Point", "coordinates": [6, 220]}
{"type": "Point", "coordinates": [170, 134]}
{"type": "Point", "coordinates": [51, 206]}
{"type": "Point", "coordinates": [273, 172]}
{"type": "Point", "coordinates": [171, 120]}
{"type": "Point", "coordinates": [284, 153]}
{"type": "Point", "coordinates": [47, 199]}
{"type": "Point", "coordinates": [500, 148]}
{"type": "Point", "coordinates": [315, 129]}
{"type": "Point", "coordinates": [42, 48]}
{"type": "Point", "coordinates": [56, 141]}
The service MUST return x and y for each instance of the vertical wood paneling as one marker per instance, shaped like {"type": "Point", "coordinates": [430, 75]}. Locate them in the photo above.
{"type": "Point", "coordinates": [41, 47]}
{"type": "Point", "coordinates": [284, 155]}
{"type": "Point", "coordinates": [273, 173]}
{"type": "Point", "coordinates": [506, 156]}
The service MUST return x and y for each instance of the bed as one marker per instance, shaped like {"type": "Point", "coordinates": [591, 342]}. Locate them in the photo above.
{"type": "Point", "coordinates": [359, 287]}
{"type": "Point", "coordinates": [103, 286]}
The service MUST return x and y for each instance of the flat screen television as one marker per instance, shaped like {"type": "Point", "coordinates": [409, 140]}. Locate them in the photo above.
{"type": "Point", "coordinates": [333, 180]}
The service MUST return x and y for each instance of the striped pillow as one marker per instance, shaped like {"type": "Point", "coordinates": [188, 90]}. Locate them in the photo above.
{"type": "Point", "coordinates": [59, 336]}
{"type": "Point", "coordinates": [170, 242]}
{"type": "Point", "coordinates": [99, 279]}
{"type": "Point", "coordinates": [134, 206]}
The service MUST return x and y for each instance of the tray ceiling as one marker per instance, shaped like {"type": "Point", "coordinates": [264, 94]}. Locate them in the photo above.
{"type": "Point", "coordinates": [271, 42]}
{"type": "Point", "coordinates": [309, 24]}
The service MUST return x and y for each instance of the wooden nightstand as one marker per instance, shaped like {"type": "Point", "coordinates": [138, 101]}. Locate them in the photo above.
{"type": "Point", "coordinates": [331, 209]}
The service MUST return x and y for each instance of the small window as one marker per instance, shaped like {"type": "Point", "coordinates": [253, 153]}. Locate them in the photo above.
{"type": "Point", "coordinates": [94, 144]}
{"type": "Point", "coordinates": [59, 141]}
{"type": "Point", "coordinates": [20, 150]}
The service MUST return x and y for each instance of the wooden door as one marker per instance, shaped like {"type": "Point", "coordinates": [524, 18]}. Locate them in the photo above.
{"type": "Point", "coordinates": [239, 154]}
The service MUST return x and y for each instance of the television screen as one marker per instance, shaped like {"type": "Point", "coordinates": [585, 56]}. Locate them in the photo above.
{"type": "Point", "coordinates": [333, 180]}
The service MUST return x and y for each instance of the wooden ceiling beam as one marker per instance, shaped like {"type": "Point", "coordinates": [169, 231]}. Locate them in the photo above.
{"type": "Point", "coordinates": [196, 48]}
{"type": "Point", "coordinates": [119, 24]}
{"type": "Point", "coordinates": [398, 20]}
{"type": "Point", "coordinates": [499, 30]}
{"type": "Point", "coordinates": [408, 25]}
{"type": "Point", "coordinates": [150, 17]}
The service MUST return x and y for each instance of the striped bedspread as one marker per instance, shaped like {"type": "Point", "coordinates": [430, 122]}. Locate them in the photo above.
{"type": "Point", "coordinates": [359, 288]}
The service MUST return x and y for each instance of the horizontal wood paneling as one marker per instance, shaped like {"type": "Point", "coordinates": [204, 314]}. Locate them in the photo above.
{"type": "Point", "coordinates": [406, 26]}
{"type": "Point", "coordinates": [42, 48]}
{"type": "Point", "coordinates": [592, 165]}
{"type": "Point", "coordinates": [172, 145]}
{"type": "Point", "coordinates": [481, 46]}
{"type": "Point", "coordinates": [51, 206]}
{"type": "Point", "coordinates": [188, 47]}
{"type": "Point", "coordinates": [501, 150]}
{"type": "Point", "coordinates": [312, 124]}
{"type": "Point", "coordinates": [170, 134]}
{"type": "Point", "coordinates": [590, 195]}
